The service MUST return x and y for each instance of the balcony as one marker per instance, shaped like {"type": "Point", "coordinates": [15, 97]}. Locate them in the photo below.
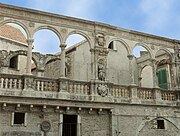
{"type": "Point", "coordinates": [67, 89]}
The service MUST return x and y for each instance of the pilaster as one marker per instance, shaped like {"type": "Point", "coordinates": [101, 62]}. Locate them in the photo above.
{"type": "Point", "coordinates": [29, 56]}
{"type": "Point", "coordinates": [63, 59]}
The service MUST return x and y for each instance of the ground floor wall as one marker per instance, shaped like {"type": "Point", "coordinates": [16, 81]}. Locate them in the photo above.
{"type": "Point", "coordinates": [88, 124]}
{"type": "Point", "coordinates": [100, 120]}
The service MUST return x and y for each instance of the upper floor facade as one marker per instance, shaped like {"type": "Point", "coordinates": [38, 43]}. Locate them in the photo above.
{"type": "Point", "coordinates": [102, 68]}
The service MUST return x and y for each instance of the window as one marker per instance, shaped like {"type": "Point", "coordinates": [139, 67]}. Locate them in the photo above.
{"type": "Point", "coordinates": [111, 45]}
{"type": "Point", "coordinates": [160, 124]}
{"type": "Point", "coordinates": [18, 118]}
{"type": "Point", "coordinates": [69, 125]}
{"type": "Point", "coordinates": [162, 79]}
{"type": "Point", "coordinates": [14, 62]}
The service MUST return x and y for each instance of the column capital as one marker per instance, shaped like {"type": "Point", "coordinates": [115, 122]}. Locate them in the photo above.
{"type": "Point", "coordinates": [153, 60]}
{"type": "Point", "coordinates": [130, 57]}
{"type": "Point", "coordinates": [63, 46]}
{"type": "Point", "coordinates": [30, 41]}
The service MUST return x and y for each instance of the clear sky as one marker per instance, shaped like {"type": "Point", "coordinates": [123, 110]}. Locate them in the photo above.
{"type": "Point", "coordinates": [158, 17]}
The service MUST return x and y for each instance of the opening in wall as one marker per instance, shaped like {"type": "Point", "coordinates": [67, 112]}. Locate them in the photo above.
{"type": "Point", "coordinates": [14, 62]}
{"type": "Point", "coordinates": [18, 118]}
{"type": "Point", "coordinates": [69, 125]}
{"type": "Point", "coordinates": [111, 45]}
{"type": "Point", "coordinates": [160, 124]}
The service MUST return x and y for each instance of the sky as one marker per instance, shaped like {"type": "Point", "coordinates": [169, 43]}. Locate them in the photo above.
{"type": "Point", "coordinates": [158, 17]}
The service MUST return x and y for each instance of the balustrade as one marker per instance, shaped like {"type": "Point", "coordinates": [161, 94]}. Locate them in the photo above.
{"type": "Point", "coordinates": [10, 82]}
{"type": "Point", "coordinates": [79, 87]}
{"type": "Point", "coordinates": [168, 95]}
{"type": "Point", "coordinates": [120, 91]}
{"type": "Point", "coordinates": [41, 84]}
{"type": "Point", "coordinates": [145, 93]}
{"type": "Point", "coordinates": [83, 88]}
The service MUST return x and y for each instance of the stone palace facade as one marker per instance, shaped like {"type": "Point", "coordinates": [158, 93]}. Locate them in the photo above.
{"type": "Point", "coordinates": [94, 88]}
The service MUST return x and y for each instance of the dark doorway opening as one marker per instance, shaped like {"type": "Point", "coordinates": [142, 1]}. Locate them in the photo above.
{"type": "Point", "coordinates": [160, 124]}
{"type": "Point", "coordinates": [69, 125]}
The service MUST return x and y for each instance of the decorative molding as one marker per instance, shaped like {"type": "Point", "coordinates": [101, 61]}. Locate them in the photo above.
{"type": "Point", "coordinates": [31, 24]}
{"type": "Point", "coordinates": [100, 39]}
{"type": "Point", "coordinates": [101, 69]}
{"type": "Point", "coordinates": [102, 90]}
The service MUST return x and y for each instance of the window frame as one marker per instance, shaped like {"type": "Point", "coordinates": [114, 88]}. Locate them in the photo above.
{"type": "Point", "coordinates": [25, 119]}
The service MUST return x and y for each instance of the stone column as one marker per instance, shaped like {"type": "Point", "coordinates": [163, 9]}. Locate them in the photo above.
{"type": "Point", "coordinates": [63, 59]}
{"type": "Point", "coordinates": [131, 69]}
{"type": "Point", "coordinates": [174, 72]}
{"type": "Point", "coordinates": [29, 56]}
{"type": "Point", "coordinates": [60, 124]}
{"type": "Point", "coordinates": [154, 67]}
{"type": "Point", "coordinates": [79, 125]}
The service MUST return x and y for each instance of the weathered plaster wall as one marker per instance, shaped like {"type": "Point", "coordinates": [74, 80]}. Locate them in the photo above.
{"type": "Point", "coordinates": [118, 65]}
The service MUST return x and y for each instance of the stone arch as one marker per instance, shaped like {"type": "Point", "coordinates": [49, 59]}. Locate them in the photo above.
{"type": "Point", "coordinates": [123, 43]}
{"type": "Point", "coordinates": [146, 47]}
{"type": "Point", "coordinates": [142, 125]}
{"type": "Point", "coordinates": [82, 34]}
{"type": "Point", "coordinates": [51, 29]}
{"type": "Point", "coordinates": [51, 59]}
{"type": "Point", "coordinates": [25, 28]}
{"type": "Point", "coordinates": [167, 51]}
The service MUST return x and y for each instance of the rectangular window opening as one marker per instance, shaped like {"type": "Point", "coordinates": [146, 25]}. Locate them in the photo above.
{"type": "Point", "coordinates": [14, 62]}
{"type": "Point", "coordinates": [69, 125]}
{"type": "Point", "coordinates": [160, 124]}
{"type": "Point", "coordinates": [19, 118]}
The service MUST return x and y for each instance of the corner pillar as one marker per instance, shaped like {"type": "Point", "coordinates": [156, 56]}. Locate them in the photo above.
{"type": "Point", "coordinates": [131, 69]}
{"type": "Point", "coordinates": [29, 56]}
{"type": "Point", "coordinates": [62, 58]}
{"type": "Point", "coordinates": [155, 81]}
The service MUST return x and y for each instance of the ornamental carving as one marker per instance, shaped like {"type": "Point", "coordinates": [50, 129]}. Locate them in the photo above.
{"type": "Point", "coordinates": [31, 24]}
{"type": "Point", "coordinates": [29, 83]}
{"type": "Point", "coordinates": [45, 126]}
{"type": "Point", "coordinates": [3, 56]}
{"type": "Point", "coordinates": [102, 90]}
{"type": "Point", "coordinates": [101, 70]}
{"type": "Point", "coordinates": [68, 65]}
{"type": "Point", "coordinates": [100, 40]}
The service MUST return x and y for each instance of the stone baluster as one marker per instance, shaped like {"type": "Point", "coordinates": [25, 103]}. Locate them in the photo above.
{"type": "Point", "coordinates": [6, 83]}
{"type": "Point", "coordinates": [29, 56]}
{"type": "Point", "coordinates": [15, 84]}
{"type": "Point", "coordinates": [19, 83]}
{"type": "Point", "coordinates": [2, 82]}
{"type": "Point", "coordinates": [131, 69]}
{"type": "Point", "coordinates": [10, 83]}
{"type": "Point", "coordinates": [38, 85]}
{"type": "Point", "coordinates": [62, 62]}
{"type": "Point", "coordinates": [42, 86]}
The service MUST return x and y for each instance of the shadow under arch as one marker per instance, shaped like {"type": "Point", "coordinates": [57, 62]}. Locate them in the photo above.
{"type": "Point", "coordinates": [82, 34]}
{"type": "Point", "coordinates": [146, 47]}
{"type": "Point", "coordinates": [46, 27]}
{"type": "Point", "coordinates": [142, 125]}
{"type": "Point", "coordinates": [123, 43]}
{"type": "Point", "coordinates": [51, 60]}
{"type": "Point", "coordinates": [18, 23]}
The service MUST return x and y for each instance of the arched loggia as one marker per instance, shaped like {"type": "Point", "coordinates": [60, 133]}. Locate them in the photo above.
{"type": "Point", "coordinates": [78, 46]}
{"type": "Point", "coordinates": [164, 69]}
